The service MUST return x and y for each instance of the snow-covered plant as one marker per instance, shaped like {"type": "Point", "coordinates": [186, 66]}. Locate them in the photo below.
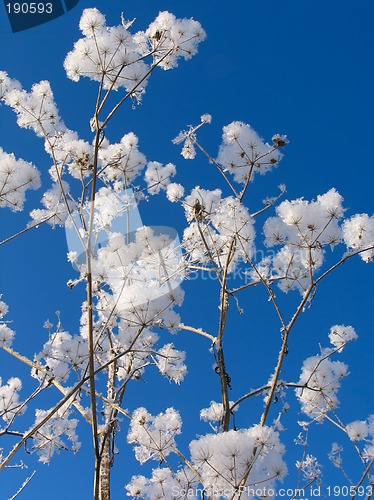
{"type": "Point", "coordinates": [49, 437]}
{"type": "Point", "coordinates": [320, 376]}
{"type": "Point", "coordinates": [323, 376]}
{"type": "Point", "coordinates": [310, 468]}
{"type": "Point", "coordinates": [361, 434]}
{"type": "Point", "coordinates": [6, 333]}
{"type": "Point", "coordinates": [131, 279]}
{"type": "Point", "coordinates": [154, 436]}
{"type": "Point", "coordinates": [16, 177]}
{"type": "Point", "coordinates": [10, 405]}
{"type": "Point", "coordinates": [236, 460]}
{"type": "Point", "coordinates": [358, 234]}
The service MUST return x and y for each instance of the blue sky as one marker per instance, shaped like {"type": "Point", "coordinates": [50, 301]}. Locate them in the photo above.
{"type": "Point", "coordinates": [299, 68]}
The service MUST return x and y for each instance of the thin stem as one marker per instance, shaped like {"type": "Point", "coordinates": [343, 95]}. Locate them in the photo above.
{"type": "Point", "coordinates": [61, 403]}
{"type": "Point", "coordinates": [282, 354]}
{"type": "Point", "coordinates": [10, 238]}
{"type": "Point", "coordinates": [344, 259]}
{"type": "Point", "coordinates": [220, 169]}
{"type": "Point", "coordinates": [249, 395]}
{"type": "Point", "coordinates": [51, 380]}
{"type": "Point", "coordinates": [91, 360]}
{"type": "Point", "coordinates": [364, 475]}
{"type": "Point", "coordinates": [23, 486]}
{"type": "Point", "coordinates": [224, 305]}
{"type": "Point", "coordinates": [199, 331]}
{"type": "Point", "coordinates": [130, 93]}
{"type": "Point", "coordinates": [189, 465]}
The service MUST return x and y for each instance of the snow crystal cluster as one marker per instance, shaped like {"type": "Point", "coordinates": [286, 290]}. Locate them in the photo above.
{"type": "Point", "coordinates": [254, 455]}
{"type": "Point", "coordinates": [158, 176]}
{"type": "Point", "coordinates": [358, 234]}
{"type": "Point", "coordinates": [123, 161]}
{"type": "Point", "coordinates": [310, 468]}
{"type": "Point", "coordinates": [174, 192]}
{"type": "Point", "coordinates": [55, 433]}
{"type": "Point", "coordinates": [320, 376]}
{"type": "Point", "coordinates": [119, 164]}
{"type": "Point", "coordinates": [115, 57]}
{"type": "Point", "coordinates": [243, 153]}
{"type": "Point", "coordinates": [141, 350]}
{"type": "Point", "coordinates": [10, 404]}
{"type": "Point", "coordinates": [214, 413]}
{"type": "Point", "coordinates": [154, 436]}
{"type": "Point", "coordinates": [170, 362]}
{"type": "Point", "coordinates": [56, 206]}
{"type": "Point", "coordinates": [16, 177]}
{"type": "Point", "coordinates": [169, 38]}
{"type": "Point", "coordinates": [63, 354]}
{"type": "Point", "coordinates": [302, 223]}
{"type": "Point", "coordinates": [340, 335]}
{"type": "Point", "coordinates": [139, 289]}
{"type": "Point", "coordinates": [188, 137]}
{"type": "Point", "coordinates": [6, 333]}
{"type": "Point", "coordinates": [107, 55]}
{"type": "Point", "coordinates": [140, 270]}
{"type": "Point", "coordinates": [165, 484]}
{"type": "Point", "coordinates": [136, 271]}
{"type": "Point", "coordinates": [304, 229]}
{"type": "Point", "coordinates": [37, 110]}
{"type": "Point", "coordinates": [217, 226]}
{"type": "Point", "coordinates": [363, 431]}
{"type": "Point", "coordinates": [335, 455]}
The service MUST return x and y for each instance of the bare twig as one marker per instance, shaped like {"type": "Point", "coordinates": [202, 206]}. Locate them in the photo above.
{"type": "Point", "coordinates": [28, 228]}
{"type": "Point", "coordinates": [199, 331]}
{"type": "Point", "coordinates": [23, 486]}
{"type": "Point", "coordinates": [283, 352]}
{"type": "Point", "coordinates": [51, 380]}
{"type": "Point", "coordinates": [364, 475]}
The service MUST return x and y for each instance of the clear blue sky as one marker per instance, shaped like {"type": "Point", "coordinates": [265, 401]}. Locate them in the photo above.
{"type": "Point", "coordinates": [295, 67]}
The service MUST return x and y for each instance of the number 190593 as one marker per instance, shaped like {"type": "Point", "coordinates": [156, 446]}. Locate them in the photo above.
{"type": "Point", "coordinates": [29, 8]}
